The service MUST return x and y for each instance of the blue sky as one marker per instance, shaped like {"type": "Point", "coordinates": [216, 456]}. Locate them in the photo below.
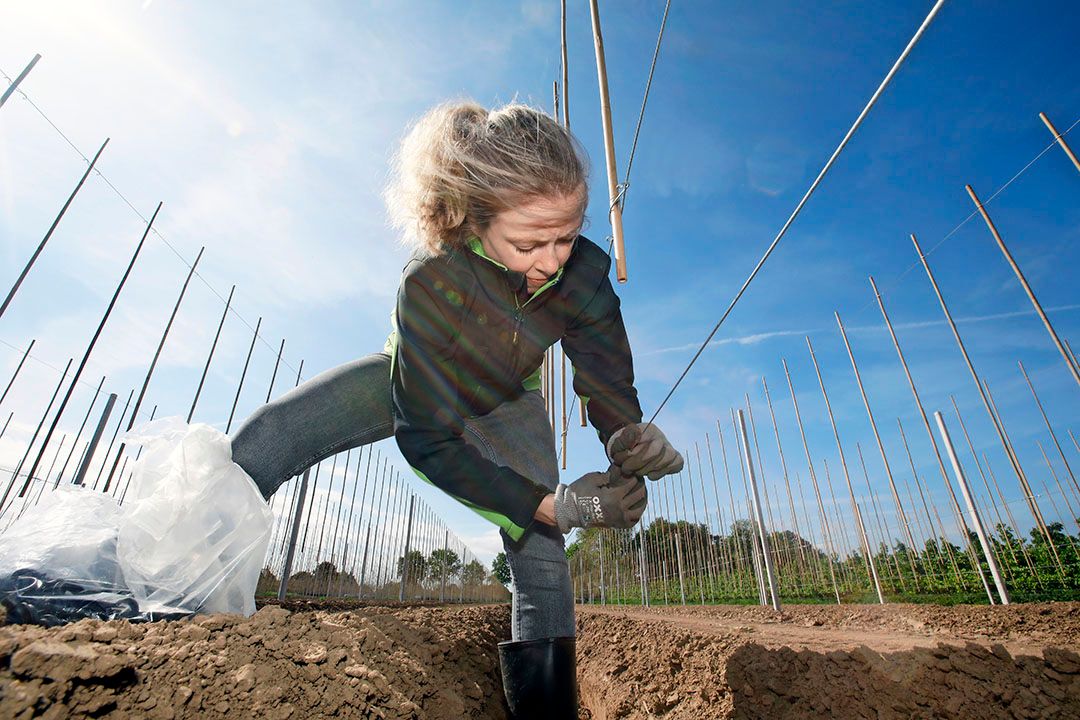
{"type": "Point", "coordinates": [266, 127]}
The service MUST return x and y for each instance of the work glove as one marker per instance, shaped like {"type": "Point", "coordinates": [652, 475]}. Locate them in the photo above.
{"type": "Point", "coordinates": [600, 499]}
{"type": "Point", "coordinates": [642, 450]}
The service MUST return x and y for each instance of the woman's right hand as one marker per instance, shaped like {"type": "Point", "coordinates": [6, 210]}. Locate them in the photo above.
{"type": "Point", "coordinates": [600, 499]}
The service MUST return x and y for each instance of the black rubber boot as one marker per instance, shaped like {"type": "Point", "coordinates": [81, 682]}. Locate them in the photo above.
{"type": "Point", "coordinates": [540, 678]}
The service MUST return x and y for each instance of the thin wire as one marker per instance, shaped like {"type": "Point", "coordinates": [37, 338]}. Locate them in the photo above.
{"type": "Point", "coordinates": [644, 101]}
{"type": "Point", "coordinates": [142, 217]}
{"type": "Point", "coordinates": [798, 208]}
{"type": "Point", "coordinates": [624, 186]}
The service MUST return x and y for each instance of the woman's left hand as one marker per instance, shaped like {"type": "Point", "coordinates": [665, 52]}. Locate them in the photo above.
{"type": "Point", "coordinates": [642, 450]}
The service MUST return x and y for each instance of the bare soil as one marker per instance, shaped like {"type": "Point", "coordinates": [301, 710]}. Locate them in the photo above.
{"type": "Point", "coordinates": [315, 661]}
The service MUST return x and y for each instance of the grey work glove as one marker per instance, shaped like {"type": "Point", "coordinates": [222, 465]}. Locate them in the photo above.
{"type": "Point", "coordinates": [600, 499]}
{"type": "Point", "coordinates": [642, 450]}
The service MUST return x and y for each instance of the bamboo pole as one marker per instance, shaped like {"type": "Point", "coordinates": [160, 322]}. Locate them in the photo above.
{"type": "Point", "coordinates": [1060, 140]}
{"type": "Point", "coordinates": [847, 477]}
{"type": "Point", "coordinates": [17, 369]}
{"type": "Point", "coordinates": [565, 67]}
{"type": "Point", "coordinates": [973, 512]}
{"type": "Point", "coordinates": [922, 413]}
{"type": "Point", "coordinates": [33, 438]}
{"type": "Point", "coordinates": [826, 532]}
{"type": "Point", "coordinates": [940, 533]}
{"type": "Point", "coordinates": [243, 374]}
{"type": "Point", "coordinates": [614, 191]}
{"type": "Point", "coordinates": [1024, 283]}
{"type": "Point", "coordinates": [19, 78]}
{"type": "Point", "coordinates": [885, 533]}
{"type": "Point", "coordinates": [93, 341]}
{"type": "Point", "coordinates": [273, 376]}
{"type": "Point", "coordinates": [1033, 503]}
{"type": "Point", "coordinates": [1046, 420]}
{"type": "Point", "coordinates": [978, 465]}
{"type": "Point", "coordinates": [153, 363]}
{"type": "Point", "coordinates": [294, 532]}
{"type": "Point", "coordinates": [52, 228]}
{"type": "Point", "coordinates": [784, 469]}
{"type": "Point", "coordinates": [1068, 504]}
{"type": "Point", "coordinates": [213, 347]}
{"type": "Point", "coordinates": [877, 436]}
{"type": "Point", "coordinates": [1012, 520]}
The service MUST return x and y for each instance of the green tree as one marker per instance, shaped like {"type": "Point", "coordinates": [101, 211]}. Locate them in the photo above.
{"type": "Point", "coordinates": [500, 568]}
{"type": "Point", "coordinates": [414, 564]}
{"type": "Point", "coordinates": [473, 573]}
{"type": "Point", "coordinates": [443, 563]}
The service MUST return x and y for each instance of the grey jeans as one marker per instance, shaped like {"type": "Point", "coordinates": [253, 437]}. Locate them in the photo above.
{"type": "Point", "coordinates": [350, 405]}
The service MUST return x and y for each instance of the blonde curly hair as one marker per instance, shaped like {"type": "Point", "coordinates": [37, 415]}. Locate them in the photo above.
{"type": "Point", "coordinates": [461, 164]}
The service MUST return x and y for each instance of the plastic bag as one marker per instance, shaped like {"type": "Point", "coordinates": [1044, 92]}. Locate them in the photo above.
{"type": "Point", "coordinates": [190, 538]}
{"type": "Point", "coordinates": [58, 561]}
{"type": "Point", "coordinates": [195, 528]}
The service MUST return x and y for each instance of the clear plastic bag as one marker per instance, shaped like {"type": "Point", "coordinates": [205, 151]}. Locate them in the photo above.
{"type": "Point", "coordinates": [58, 561]}
{"type": "Point", "coordinates": [194, 528]}
{"type": "Point", "coordinates": [190, 538]}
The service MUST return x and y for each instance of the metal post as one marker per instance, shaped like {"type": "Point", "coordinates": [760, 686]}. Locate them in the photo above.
{"type": "Point", "coordinates": [973, 512]}
{"type": "Point", "coordinates": [22, 76]}
{"type": "Point", "coordinates": [405, 555]}
{"type": "Point", "coordinates": [614, 192]}
{"type": "Point", "coordinates": [765, 553]}
{"type": "Point", "coordinates": [112, 440]}
{"type": "Point", "coordinates": [337, 517]}
{"type": "Point", "coordinates": [600, 554]}
{"type": "Point", "coordinates": [293, 535]}
{"type": "Point", "coordinates": [49, 233]}
{"type": "Point", "coordinates": [213, 347]}
{"type": "Point", "coordinates": [243, 375]}
{"type": "Point", "coordinates": [643, 570]}
{"type": "Point", "coordinates": [1060, 140]}
{"type": "Point", "coordinates": [17, 369]}
{"type": "Point", "coordinates": [80, 474]}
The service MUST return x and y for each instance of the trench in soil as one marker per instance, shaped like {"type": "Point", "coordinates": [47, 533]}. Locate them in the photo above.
{"type": "Point", "coordinates": [441, 662]}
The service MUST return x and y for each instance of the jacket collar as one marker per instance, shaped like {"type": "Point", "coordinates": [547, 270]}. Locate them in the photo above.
{"type": "Point", "coordinates": [515, 279]}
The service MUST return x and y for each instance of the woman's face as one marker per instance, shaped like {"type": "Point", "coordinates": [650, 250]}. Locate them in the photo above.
{"type": "Point", "coordinates": [536, 237]}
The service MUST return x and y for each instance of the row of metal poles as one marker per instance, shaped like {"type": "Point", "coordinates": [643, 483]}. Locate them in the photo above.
{"type": "Point", "coordinates": [412, 553]}
{"type": "Point", "coordinates": [368, 540]}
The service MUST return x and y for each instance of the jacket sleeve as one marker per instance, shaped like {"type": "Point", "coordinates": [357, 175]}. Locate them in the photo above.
{"type": "Point", "coordinates": [596, 343]}
{"type": "Point", "coordinates": [428, 422]}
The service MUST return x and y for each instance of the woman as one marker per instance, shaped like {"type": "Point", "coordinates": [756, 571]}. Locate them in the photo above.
{"type": "Point", "coordinates": [493, 203]}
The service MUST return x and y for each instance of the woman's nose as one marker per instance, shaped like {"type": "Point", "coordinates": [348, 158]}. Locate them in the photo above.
{"type": "Point", "coordinates": [548, 262]}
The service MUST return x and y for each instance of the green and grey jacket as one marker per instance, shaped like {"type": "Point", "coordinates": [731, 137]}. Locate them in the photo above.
{"type": "Point", "coordinates": [468, 338]}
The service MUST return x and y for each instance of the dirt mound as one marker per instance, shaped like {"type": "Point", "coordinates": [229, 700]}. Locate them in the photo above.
{"type": "Point", "coordinates": [369, 663]}
{"type": "Point", "coordinates": [642, 667]}
{"type": "Point", "coordinates": [441, 662]}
